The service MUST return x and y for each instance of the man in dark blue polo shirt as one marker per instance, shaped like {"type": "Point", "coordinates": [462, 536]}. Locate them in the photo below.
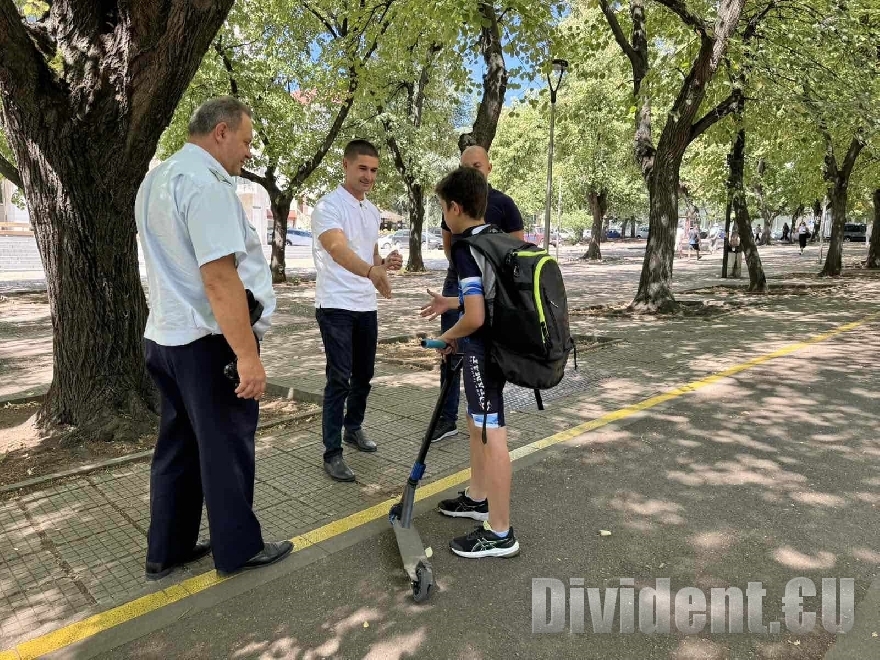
{"type": "Point", "coordinates": [502, 212]}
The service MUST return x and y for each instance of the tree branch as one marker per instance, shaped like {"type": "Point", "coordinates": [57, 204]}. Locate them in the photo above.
{"type": "Point", "coordinates": [326, 22]}
{"type": "Point", "coordinates": [305, 169]}
{"type": "Point", "coordinates": [716, 114]}
{"type": "Point", "coordinates": [494, 82]}
{"type": "Point", "coordinates": [679, 8]}
{"type": "Point", "coordinates": [852, 154]}
{"type": "Point", "coordinates": [422, 85]}
{"type": "Point", "coordinates": [729, 13]}
{"type": "Point", "coordinates": [619, 36]}
{"type": "Point", "coordinates": [227, 64]}
{"type": "Point", "coordinates": [754, 21]}
{"type": "Point", "coordinates": [24, 73]}
{"type": "Point", "coordinates": [10, 172]}
{"type": "Point", "coordinates": [394, 146]}
{"type": "Point", "coordinates": [267, 181]}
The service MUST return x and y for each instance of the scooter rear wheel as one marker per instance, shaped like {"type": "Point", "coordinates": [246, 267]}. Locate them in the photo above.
{"type": "Point", "coordinates": [395, 512]}
{"type": "Point", "coordinates": [423, 583]}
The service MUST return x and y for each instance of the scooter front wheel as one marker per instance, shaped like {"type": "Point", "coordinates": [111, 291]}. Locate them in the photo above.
{"type": "Point", "coordinates": [423, 583]}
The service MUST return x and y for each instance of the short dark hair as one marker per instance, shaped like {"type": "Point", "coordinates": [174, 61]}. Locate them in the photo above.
{"type": "Point", "coordinates": [222, 109]}
{"type": "Point", "coordinates": [466, 187]}
{"type": "Point", "coordinates": [357, 148]}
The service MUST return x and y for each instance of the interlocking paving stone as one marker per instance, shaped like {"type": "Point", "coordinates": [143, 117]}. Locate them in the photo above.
{"type": "Point", "coordinates": [17, 537]}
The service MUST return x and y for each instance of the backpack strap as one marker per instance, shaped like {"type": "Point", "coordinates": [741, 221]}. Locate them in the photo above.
{"type": "Point", "coordinates": [539, 400]}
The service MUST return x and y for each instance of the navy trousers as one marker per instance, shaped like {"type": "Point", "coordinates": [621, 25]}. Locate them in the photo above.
{"type": "Point", "coordinates": [205, 451]}
{"type": "Point", "coordinates": [350, 347]}
{"type": "Point", "coordinates": [447, 320]}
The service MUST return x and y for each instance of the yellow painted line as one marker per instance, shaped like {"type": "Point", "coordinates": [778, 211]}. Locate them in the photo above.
{"type": "Point", "coordinates": [93, 625]}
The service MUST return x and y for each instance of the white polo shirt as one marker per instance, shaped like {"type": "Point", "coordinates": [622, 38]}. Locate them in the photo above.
{"type": "Point", "coordinates": [336, 287]}
{"type": "Point", "coordinates": [188, 214]}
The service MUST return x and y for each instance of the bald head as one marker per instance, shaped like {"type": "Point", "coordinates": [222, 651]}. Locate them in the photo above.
{"type": "Point", "coordinates": [476, 157]}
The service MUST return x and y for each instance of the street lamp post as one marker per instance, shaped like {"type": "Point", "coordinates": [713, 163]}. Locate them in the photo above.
{"type": "Point", "coordinates": [559, 68]}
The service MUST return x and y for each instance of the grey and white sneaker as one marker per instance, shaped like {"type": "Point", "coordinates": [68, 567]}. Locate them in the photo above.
{"type": "Point", "coordinates": [464, 507]}
{"type": "Point", "coordinates": [445, 429]}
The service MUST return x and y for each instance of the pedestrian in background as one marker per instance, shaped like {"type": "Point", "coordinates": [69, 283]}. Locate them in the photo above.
{"type": "Point", "coordinates": [735, 248]}
{"type": "Point", "coordinates": [694, 240]}
{"type": "Point", "coordinates": [803, 235]}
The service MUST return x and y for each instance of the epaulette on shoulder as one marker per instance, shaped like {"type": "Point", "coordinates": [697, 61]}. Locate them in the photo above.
{"type": "Point", "coordinates": [219, 176]}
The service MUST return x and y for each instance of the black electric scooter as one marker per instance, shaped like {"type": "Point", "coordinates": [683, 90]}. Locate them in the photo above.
{"type": "Point", "coordinates": [412, 550]}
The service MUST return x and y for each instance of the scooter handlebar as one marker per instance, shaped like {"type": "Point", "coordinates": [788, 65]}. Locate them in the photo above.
{"type": "Point", "coordinates": [434, 343]}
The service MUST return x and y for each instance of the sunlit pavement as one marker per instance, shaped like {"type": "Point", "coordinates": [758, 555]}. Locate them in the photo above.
{"type": "Point", "coordinates": [766, 476]}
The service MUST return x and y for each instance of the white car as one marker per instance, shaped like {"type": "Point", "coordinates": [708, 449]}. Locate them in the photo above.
{"type": "Point", "coordinates": [642, 232]}
{"type": "Point", "coordinates": [298, 237]}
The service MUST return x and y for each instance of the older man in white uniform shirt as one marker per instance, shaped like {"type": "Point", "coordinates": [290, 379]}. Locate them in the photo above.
{"type": "Point", "coordinates": [211, 301]}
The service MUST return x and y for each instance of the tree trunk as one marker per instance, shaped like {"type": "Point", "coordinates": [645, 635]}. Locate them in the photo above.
{"type": "Point", "coordinates": [655, 293]}
{"type": "Point", "coordinates": [737, 159]}
{"type": "Point", "coordinates": [598, 205]}
{"type": "Point", "coordinates": [415, 263]}
{"type": "Point", "coordinates": [874, 246]}
{"type": "Point", "coordinates": [280, 205]}
{"type": "Point", "coordinates": [632, 228]}
{"type": "Point", "coordinates": [834, 260]}
{"type": "Point", "coordinates": [87, 240]}
{"type": "Point", "coordinates": [660, 166]}
{"type": "Point", "coordinates": [83, 138]}
{"type": "Point", "coordinates": [623, 224]}
{"type": "Point", "coordinates": [838, 178]}
{"type": "Point", "coordinates": [494, 81]}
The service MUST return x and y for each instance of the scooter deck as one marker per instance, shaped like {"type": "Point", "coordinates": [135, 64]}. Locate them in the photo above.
{"type": "Point", "coordinates": [412, 550]}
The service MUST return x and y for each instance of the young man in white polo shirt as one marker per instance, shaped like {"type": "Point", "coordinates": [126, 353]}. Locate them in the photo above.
{"type": "Point", "coordinates": [345, 226]}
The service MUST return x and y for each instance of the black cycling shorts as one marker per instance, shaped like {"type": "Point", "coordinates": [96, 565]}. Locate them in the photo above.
{"type": "Point", "coordinates": [483, 387]}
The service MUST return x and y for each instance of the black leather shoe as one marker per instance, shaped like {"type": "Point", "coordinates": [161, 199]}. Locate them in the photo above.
{"type": "Point", "coordinates": [338, 470]}
{"type": "Point", "coordinates": [359, 439]}
{"type": "Point", "coordinates": [271, 552]}
{"type": "Point", "coordinates": [156, 571]}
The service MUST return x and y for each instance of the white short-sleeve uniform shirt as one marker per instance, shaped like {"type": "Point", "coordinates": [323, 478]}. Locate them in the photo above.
{"type": "Point", "coordinates": [187, 215]}
{"type": "Point", "coordinates": [336, 287]}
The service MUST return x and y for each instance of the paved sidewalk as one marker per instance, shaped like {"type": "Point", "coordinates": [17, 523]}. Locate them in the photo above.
{"type": "Point", "coordinates": [77, 547]}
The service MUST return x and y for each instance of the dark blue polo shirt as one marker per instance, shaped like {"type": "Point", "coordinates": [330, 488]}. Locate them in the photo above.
{"type": "Point", "coordinates": [501, 211]}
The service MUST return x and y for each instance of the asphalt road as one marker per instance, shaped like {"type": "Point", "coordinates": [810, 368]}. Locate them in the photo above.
{"type": "Point", "coordinates": [767, 476]}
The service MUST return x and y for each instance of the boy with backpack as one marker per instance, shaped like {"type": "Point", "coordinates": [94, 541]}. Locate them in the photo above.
{"type": "Point", "coordinates": [463, 195]}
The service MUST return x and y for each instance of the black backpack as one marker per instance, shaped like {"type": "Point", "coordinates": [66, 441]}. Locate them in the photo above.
{"type": "Point", "coordinates": [527, 320]}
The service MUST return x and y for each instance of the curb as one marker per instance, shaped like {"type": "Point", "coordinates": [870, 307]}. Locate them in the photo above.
{"type": "Point", "coordinates": [25, 396]}
{"type": "Point", "coordinates": [274, 389]}
{"type": "Point", "coordinates": [134, 458]}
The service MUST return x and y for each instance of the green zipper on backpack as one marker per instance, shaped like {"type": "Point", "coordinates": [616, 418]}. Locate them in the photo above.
{"type": "Point", "coordinates": [537, 292]}
{"type": "Point", "coordinates": [538, 304]}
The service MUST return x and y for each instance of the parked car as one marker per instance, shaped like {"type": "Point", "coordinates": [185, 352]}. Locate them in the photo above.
{"type": "Point", "coordinates": [538, 238]}
{"type": "Point", "coordinates": [432, 240]}
{"type": "Point", "coordinates": [855, 233]}
{"type": "Point", "coordinates": [642, 232]}
{"type": "Point", "coordinates": [399, 240]}
{"type": "Point", "coordinates": [612, 233]}
{"type": "Point", "coordinates": [298, 237]}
